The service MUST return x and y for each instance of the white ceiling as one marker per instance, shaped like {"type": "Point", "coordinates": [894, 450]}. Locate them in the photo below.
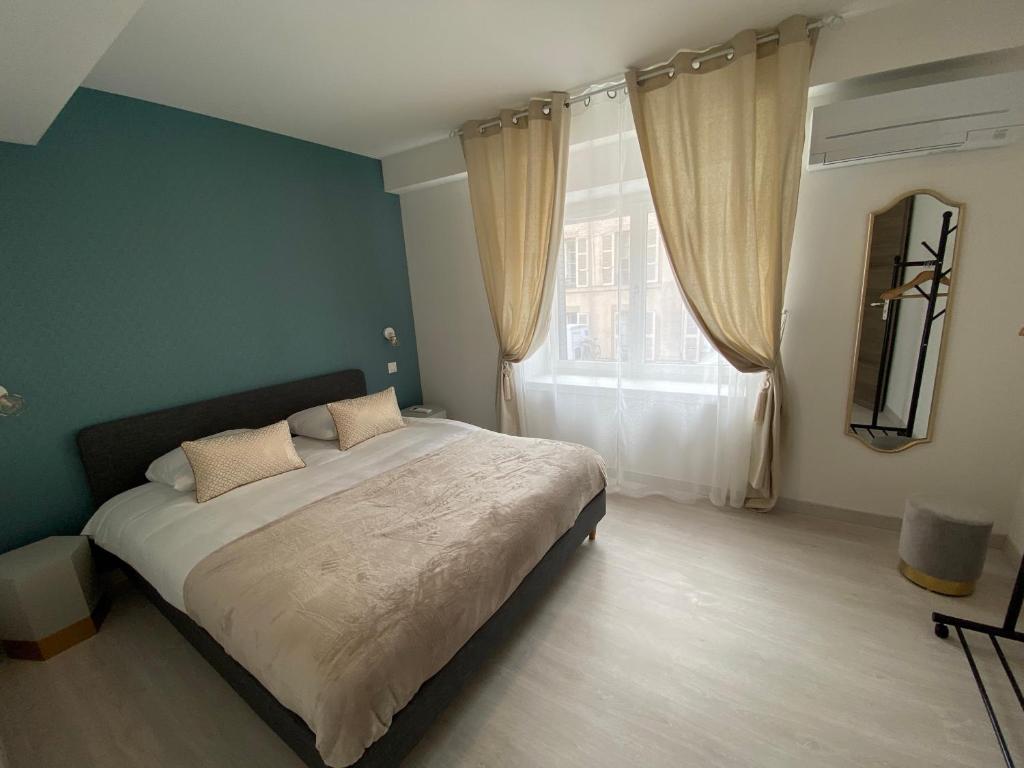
{"type": "Point", "coordinates": [46, 48]}
{"type": "Point", "coordinates": [379, 77]}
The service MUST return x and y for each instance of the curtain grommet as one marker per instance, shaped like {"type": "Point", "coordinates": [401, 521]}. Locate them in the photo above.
{"type": "Point", "coordinates": [612, 94]}
{"type": "Point", "coordinates": [695, 64]}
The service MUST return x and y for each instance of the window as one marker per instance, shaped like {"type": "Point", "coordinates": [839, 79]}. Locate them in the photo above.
{"type": "Point", "coordinates": [620, 335]}
{"type": "Point", "coordinates": [569, 246]}
{"type": "Point", "coordinates": [600, 317]}
{"type": "Point", "coordinates": [691, 339]}
{"type": "Point", "coordinates": [624, 257]}
{"type": "Point", "coordinates": [650, 335]}
{"type": "Point", "coordinates": [577, 266]}
{"type": "Point", "coordinates": [652, 256]}
{"type": "Point", "coordinates": [606, 259]}
{"type": "Point", "coordinates": [577, 334]}
{"type": "Point", "coordinates": [583, 262]}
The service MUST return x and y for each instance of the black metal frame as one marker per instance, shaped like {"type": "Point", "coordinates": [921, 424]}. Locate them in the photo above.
{"type": "Point", "coordinates": [888, 342]}
{"type": "Point", "coordinates": [1008, 631]}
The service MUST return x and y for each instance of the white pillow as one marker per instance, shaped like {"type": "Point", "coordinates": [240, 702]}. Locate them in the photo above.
{"type": "Point", "coordinates": [174, 470]}
{"type": "Point", "coordinates": [315, 422]}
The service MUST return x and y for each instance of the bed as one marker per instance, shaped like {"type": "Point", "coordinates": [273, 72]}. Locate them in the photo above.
{"type": "Point", "coordinates": [161, 537]}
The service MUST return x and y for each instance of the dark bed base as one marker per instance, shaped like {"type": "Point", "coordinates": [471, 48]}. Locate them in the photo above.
{"type": "Point", "coordinates": [411, 722]}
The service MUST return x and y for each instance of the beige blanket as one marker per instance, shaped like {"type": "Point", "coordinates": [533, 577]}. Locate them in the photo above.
{"type": "Point", "coordinates": [344, 608]}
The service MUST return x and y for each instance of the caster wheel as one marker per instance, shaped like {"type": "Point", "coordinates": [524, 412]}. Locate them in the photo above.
{"type": "Point", "coordinates": [941, 630]}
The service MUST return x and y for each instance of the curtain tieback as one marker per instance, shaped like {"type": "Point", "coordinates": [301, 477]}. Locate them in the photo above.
{"type": "Point", "coordinates": [506, 380]}
{"type": "Point", "coordinates": [762, 399]}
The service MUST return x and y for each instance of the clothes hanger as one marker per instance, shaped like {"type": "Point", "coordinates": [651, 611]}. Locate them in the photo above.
{"type": "Point", "coordinates": [894, 294]}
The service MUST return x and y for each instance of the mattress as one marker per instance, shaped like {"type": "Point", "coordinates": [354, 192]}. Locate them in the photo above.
{"type": "Point", "coordinates": [163, 534]}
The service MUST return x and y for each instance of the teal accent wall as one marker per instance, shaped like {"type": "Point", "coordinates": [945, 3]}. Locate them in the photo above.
{"type": "Point", "coordinates": [151, 257]}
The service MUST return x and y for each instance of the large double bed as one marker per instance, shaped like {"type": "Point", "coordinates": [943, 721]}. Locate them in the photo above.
{"type": "Point", "coordinates": [348, 601]}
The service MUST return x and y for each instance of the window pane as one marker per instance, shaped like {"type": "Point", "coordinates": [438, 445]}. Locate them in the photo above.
{"type": "Point", "coordinates": [617, 301]}
{"type": "Point", "coordinates": [592, 291]}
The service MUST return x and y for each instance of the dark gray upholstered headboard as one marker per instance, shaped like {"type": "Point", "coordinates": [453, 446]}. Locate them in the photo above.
{"type": "Point", "coordinates": [117, 453]}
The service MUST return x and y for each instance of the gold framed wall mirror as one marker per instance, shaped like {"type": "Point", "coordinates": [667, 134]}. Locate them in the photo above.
{"type": "Point", "coordinates": [906, 299]}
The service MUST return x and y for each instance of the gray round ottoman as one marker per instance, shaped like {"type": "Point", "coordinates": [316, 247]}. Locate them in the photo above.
{"type": "Point", "coordinates": [943, 543]}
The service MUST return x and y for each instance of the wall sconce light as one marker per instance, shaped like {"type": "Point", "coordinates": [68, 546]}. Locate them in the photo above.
{"type": "Point", "coordinates": [391, 336]}
{"type": "Point", "coordinates": [10, 404]}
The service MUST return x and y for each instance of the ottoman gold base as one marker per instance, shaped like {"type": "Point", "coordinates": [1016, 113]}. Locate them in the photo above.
{"type": "Point", "coordinates": [59, 641]}
{"type": "Point", "coordinates": [932, 584]}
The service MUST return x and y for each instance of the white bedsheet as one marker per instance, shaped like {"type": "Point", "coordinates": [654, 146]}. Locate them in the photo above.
{"type": "Point", "coordinates": [163, 533]}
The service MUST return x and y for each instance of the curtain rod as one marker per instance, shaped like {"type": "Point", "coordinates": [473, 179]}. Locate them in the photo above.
{"type": "Point", "coordinates": [714, 52]}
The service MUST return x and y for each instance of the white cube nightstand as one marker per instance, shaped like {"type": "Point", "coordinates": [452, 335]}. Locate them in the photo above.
{"type": "Point", "coordinates": [425, 412]}
{"type": "Point", "coordinates": [49, 598]}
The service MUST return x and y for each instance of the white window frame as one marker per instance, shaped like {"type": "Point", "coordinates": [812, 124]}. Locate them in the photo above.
{"type": "Point", "coordinates": [617, 329]}
{"type": "Point", "coordinates": [623, 261]}
{"type": "Point", "coordinates": [650, 335]}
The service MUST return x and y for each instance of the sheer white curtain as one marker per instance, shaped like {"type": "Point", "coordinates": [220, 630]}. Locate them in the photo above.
{"type": "Point", "coordinates": [625, 369]}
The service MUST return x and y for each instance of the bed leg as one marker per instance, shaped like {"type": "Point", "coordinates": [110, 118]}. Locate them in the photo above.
{"type": "Point", "coordinates": [593, 535]}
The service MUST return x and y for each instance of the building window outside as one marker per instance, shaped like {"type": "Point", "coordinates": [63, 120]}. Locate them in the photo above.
{"type": "Point", "coordinates": [606, 259]}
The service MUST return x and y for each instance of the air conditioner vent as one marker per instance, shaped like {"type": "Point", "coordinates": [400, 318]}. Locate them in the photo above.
{"type": "Point", "coordinates": [965, 114]}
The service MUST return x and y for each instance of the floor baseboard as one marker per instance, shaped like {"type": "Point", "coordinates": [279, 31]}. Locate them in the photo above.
{"type": "Point", "coordinates": [870, 519]}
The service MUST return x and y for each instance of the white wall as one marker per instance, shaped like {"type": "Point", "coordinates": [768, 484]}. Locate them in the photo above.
{"type": "Point", "coordinates": [458, 352]}
{"type": "Point", "coordinates": [979, 414]}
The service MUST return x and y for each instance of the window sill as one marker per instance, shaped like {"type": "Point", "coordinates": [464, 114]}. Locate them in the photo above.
{"type": "Point", "coordinates": [610, 384]}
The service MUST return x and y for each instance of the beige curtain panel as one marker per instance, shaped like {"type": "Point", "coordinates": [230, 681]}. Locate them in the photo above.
{"type": "Point", "coordinates": [517, 189]}
{"type": "Point", "coordinates": [722, 146]}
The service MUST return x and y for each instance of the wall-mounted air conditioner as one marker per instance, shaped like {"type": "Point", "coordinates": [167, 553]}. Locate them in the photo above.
{"type": "Point", "coordinates": [975, 113]}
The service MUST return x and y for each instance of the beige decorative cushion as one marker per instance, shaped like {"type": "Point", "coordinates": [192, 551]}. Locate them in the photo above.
{"type": "Point", "coordinates": [224, 462]}
{"type": "Point", "coordinates": [361, 418]}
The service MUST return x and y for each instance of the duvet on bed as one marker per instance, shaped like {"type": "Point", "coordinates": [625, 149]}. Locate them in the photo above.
{"type": "Point", "coordinates": [344, 607]}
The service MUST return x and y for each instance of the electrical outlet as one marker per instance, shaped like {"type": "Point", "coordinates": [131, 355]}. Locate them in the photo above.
{"type": "Point", "coordinates": [392, 367]}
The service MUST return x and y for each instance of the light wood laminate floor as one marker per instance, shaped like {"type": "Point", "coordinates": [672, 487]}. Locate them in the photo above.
{"type": "Point", "coordinates": [684, 636]}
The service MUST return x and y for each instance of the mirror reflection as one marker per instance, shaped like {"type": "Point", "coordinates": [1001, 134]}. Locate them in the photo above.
{"type": "Point", "coordinates": [908, 282]}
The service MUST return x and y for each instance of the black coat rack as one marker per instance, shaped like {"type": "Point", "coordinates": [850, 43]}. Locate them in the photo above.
{"type": "Point", "coordinates": [1008, 631]}
{"type": "Point", "coordinates": [939, 274]}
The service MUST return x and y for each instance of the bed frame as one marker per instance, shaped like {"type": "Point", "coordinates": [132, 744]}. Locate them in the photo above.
{"type": "Point", "coordinates": [116, 455]}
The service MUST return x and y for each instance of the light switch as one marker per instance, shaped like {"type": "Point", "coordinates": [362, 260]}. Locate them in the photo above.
{"type": "Point", "coordinates": [392, 367]}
